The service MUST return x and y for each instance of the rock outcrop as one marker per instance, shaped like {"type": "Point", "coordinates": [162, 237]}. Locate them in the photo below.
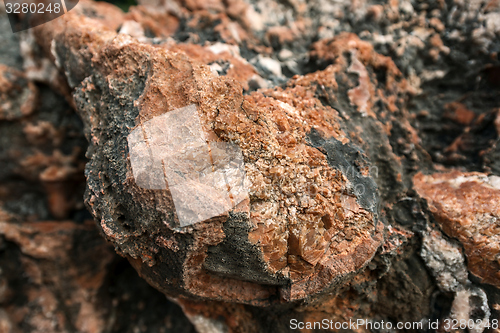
{"type": "Point", "coordinates": [259, 162]}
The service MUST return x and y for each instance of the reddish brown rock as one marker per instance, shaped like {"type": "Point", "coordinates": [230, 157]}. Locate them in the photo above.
{"type": "Point", "coordinates": [61, 276]}
{"type": "Point", "coordinates": [45, 248]}
{"type": "Point", "coordinates": [158, 22]}
{"type": "Point", "coordinates": [466, 207]}
{"type": "Point", "coordinates": [317, 150]}
{"type": "Point", "coordinates": [223, 59]}
{"type": "Point", "coordinates": [57, 274]}
{"type": "Point", "coordinates": [41, 154]}
{"type": "Point", "coordinates": [311, 219]}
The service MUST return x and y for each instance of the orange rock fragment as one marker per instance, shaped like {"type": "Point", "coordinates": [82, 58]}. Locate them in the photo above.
{"type": "Point", "coordinates": [467, 206]}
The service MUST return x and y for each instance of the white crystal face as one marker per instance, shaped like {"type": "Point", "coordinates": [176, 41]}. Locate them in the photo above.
{"type": "Point", "coordinates": [206, 179]}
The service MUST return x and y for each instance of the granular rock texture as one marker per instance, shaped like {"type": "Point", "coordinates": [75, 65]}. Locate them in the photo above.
{"type": "Point", "coordinates": [259, 161]}
{"type": "Point", "coordinates": [466, 207]}
{"type": "Point", "coordinates": [308, 223]}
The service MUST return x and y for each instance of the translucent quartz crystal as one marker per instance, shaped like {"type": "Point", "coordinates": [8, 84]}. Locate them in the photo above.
{"type": "Point", "coordinates": [205, 178]}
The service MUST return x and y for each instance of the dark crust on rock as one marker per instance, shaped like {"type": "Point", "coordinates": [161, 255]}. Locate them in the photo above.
{"type": "Point", "coordinates": [124, 83]}
{"type": "Point", "coordinates": [349, 159]}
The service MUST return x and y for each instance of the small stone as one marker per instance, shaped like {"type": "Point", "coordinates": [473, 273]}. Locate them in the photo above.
{"type": "Point", "coordinates": [268, 64]}
{"type": "Point", "coordinates": [471, 303]}
{"type": "Point", "coordinates": [285, 54]}
{"type": "Point", "coordinates": [445, 261]}
{"type": "Point", "coordinates": [132, 28]}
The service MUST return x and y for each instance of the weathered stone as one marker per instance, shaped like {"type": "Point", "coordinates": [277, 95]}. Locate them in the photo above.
{"type": "Point", "coordinates": [53, 278]}
{"type": "Point", "coordinates": [172, 152]}
{"type": "Point", "coordinates": [311, 219]}
{"type": "Point", "coordinates": [412, 83]}
{"type": "Point", "coordinates": [41, 153]}
{"type": "Point", "coordinates": [466, 207]}
{"type": "Point", "coordinates": [44, 247]}
{"type": "Point", "coordinates": [472, 303]}
{"type": "Point", "coordinates": [57, 274]}
{"type": "Point", "coordinates": [445, 261]}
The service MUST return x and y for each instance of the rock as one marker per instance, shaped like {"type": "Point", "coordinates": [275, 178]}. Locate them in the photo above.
{"type": "Point", "coordinates": [303, 246]}
{"type": "Point", "coordinates": [224, 58]}
{"type": "Point", "coordinates": [10, 55]}
{"type": "Point", "coordinates": [466, 207]}
{"type": "Point", "coordinates": [472, 303]}
{"type": "Point", "coordinates": [312, 218]}
{"type": "Point", "coordinates": [41, 152]}
{"type": "Point", "coordinates": [57, 274]}
{"type": "Point", "coordinates": [268, 64]}
{"type": "Point", "coordinates": [253, 196]}
{"type": "Point", "coordinates": [43, 247]}
{"type": "Point", "coordinates": [446, 262]}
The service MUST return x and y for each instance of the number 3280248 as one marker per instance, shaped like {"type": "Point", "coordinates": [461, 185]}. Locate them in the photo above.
{"type": "Point", "coordinates": [454, 324]}
{"type": "Point", "coordinates": [38, 8]}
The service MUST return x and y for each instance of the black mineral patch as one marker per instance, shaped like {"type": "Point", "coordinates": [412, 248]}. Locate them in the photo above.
{"type": "Point", "coordinates": [245, 261]}
{"type": "Point", "coordinates": [346, 158]}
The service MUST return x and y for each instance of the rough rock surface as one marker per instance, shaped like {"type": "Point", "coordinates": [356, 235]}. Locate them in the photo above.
{"type": "Point", "coordinates": [57, 274]}
{"type": "Point", "coordinates": [446, 262]}
{"type": "Point", "coordinates": [311, 219]}
{"type": "Point", "coordinates": [466, 207]}
{"type": "Point", "coordinates": [343, 113]}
